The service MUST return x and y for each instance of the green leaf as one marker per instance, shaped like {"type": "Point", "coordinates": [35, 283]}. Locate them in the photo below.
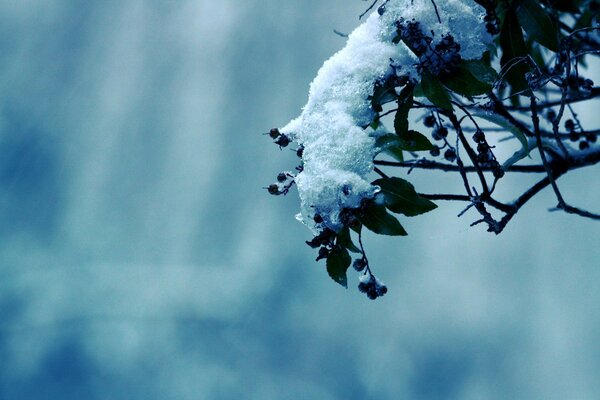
{"type": "Point", "coordinates": [513, 130]}
{"type": "Point", "coordinates": [382, 95]}
{"type": "Point", "coordinates": [435, 91]}
{"type": "Point", "coordinates": [538, 24]}
{"type": "Point", "coordinates": [338, 262]}
{"type": "Point", "coordinates": [414, 141]}
{"type": "Point", "coordinates": [345, 240]}
{"type": "Point", "coordinates": [390, 144]}
{"type": "Point", "coordinates": [481, 70]}
{"type": "Point", "coordinates": [463, 82]}
{"type": "Point", "coordinates": [400, 197]}
{"type": "Point", "coordinates": [378, 220]}
{"type": "Point", "coordinates": [513, 48]}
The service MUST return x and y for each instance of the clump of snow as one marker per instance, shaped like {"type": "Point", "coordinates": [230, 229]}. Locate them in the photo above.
{"type": "Point", "coordinates": [338, 152]}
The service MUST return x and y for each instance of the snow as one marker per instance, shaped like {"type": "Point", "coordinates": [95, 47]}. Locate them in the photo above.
{"type": "Point", "coordinates": [338, 151]}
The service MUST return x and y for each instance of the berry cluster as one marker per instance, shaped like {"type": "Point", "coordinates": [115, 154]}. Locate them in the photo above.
{"type": "Point", "coordinates": [439, 133]}
{"type": "Point", "coordinates": [441, 58]}
{"type": "Point", "coordinates": [285, 181]}
{"type": "Point", "coordinates": [575, 135]}
{"type": "Point", "coordinates": [485, 155]}
{"type": "Point", "coordinates": [372, 286]}
{"type": "Point", "coordinates": [579, 85]}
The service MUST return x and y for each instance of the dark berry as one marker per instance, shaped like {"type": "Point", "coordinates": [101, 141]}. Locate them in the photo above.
{"type": "Point", "coordinates": [273, 189]}
{"type": "Point", "coordinates": [363, 287]}
{"type": "Point", "coordinates": [483, 147]}
{"type": "Point", "coordinates": [429, 121]}
{"type": "Point", "coordinates": [483, 157]}
{"type": "Point", "coordinates": [435, 151]}
{"type": "Point", "coordinates": [300, 151]}
{"type": "Point", "coordinates": [498, 173]}
{"type": "Point", "coordinates": [359, 264]}
{"type": "Point", "coordinates": [450, 155]}
{"type": "Point", "coordinates": [274, 133]}
{"type": "Point", "coordinates": [574, 136]}
{"type": "Point", "coordinates": [590, 137]}
{"type": "Point", "coordinates": [583, 145]}
{"type": "Point", "coordinates": [381, 9]}
{"type": "Point", "coordinates": [281, 177]}
{"type": "Point", "coordinates": [439, 133]}
{"type": "Point", "coordinates": [318, 219]}
{"type": "Point", "coordinates": [372, 293]}
{"type": "Point", "coordinates": [551, 115]}
{"type": "Point", "coordinates": [382, 290]}
{"type": "Point", "coordinates": [569, 125]}
{"type": "Point", "coordinates": [282, 140]}
{"type": "Point", "coordinates": [478, 136]}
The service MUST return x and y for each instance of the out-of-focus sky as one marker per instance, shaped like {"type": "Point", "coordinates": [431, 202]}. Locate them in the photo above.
{"type": "Point", "coordinates": [140, 256]}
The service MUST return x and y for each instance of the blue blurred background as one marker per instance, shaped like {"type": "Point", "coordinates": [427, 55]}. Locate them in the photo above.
{"type": "Point", "coordinates": [140, 257]}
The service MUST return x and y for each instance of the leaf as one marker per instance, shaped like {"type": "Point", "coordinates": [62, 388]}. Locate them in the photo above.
{"type": "Point", "coordinates": [381, 96]}
{"type": "Point", "coordinates": [390, 144]}
{"type": "Point", "coordinates": [345, 240]}
{"type": "Point", "coordinates": [400, 197]}
{"type": "Point", "coordinates": [513, 130]}
{"type": "Point", "coordinates": [378, 220]}
{"type": "Point", "coordinates": [338, 262]}
{"type": "Point", "coordinates": [481, 70]}
{"type": "Point", "coordinates": [513, 48]}
{"type": "Point", "coordinates": [462, 81]}
{"type": "Point", "coordinates": [435, 91]}
{"type": "Point", "coordinates": [538, 24]}
{"type": "Point", "coordinates": [414, 141]}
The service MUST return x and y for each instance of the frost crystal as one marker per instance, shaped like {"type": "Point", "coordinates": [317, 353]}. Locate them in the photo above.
{"type": "Point", "coordinates": [338, 151]}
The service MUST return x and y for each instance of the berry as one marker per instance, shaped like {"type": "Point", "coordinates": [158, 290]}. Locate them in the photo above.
{"type": "Point", "coordinates": [435, 151]}
{"type": "Point", "coordinates": [441, 131]}
{"type": "Point", "coordinates": [318, 219]}
{"type": "Point", "coordinates": [282, 140]}
{"type": "Point", "coordinates": [590, 137]}
{"type": "Point", "coordinates": [281, 177]}
{"type": "Point", "coordinates": [372, 293]}
{"type": "Point", "coordinates": [498, 173]}
{"type": "Point", "coordinates": [359, 264]}
{"type": "Point", "coordinates": [274, 133]}
{"type": "Point", "coordinates": [483, 157]}
{"type": "Point", "coordinates": [574, 136]}
{"type": "Point", "coordinates": [429, 121]}
{"type": "Point", "coordinates": [483, 147]}
{"type": "Point", "coordinates": [450, 155]}
{"type": "Point", "coordinates": [569, 125]}
{"type": "Point", "coordinates": [583, 145]}
{"type": "Point", "coordinates": [273, 189]}
{"type": "Point", "coordinates": [551, 115]}
{"type": "Point", "coordinates": [300, 151]}
{"type": "Point", "coordinates": [363, 287]}
{"type": "Point", "coordinates": [478, 136]}
{"type": "Point", "coordinates": [381, 9]}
